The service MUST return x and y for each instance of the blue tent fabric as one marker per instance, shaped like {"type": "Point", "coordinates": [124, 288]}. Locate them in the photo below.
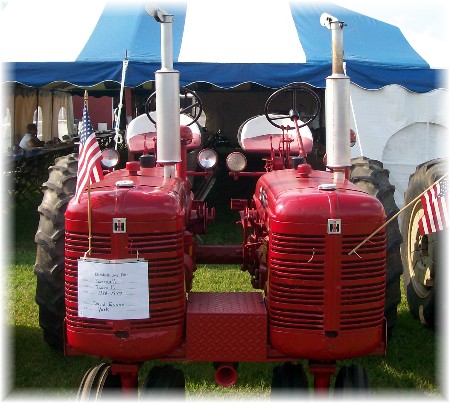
{"type": "Point", "coordinates": [272, 75]}
{"type": "Point", "coordinates": [225, 75]}
{"type": "Point", "coordinates": [366, 40]}
{"type": "Point", "coordinates": [85, 74]}
{"type": "Point", "coordinates": [129, 27]}
{"type": "Point", "coordinates": [414, 79]}
{"type": "Point", "coordinates": [376, 54]}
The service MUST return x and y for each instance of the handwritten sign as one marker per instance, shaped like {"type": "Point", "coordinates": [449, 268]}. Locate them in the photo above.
{"type": "Point", "coordinates": [113, 289]}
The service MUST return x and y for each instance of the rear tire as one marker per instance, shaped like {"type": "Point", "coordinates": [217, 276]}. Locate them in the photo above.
{"type": "Point", "coordinates": [370, 176]}
{"type": "Point", "coordinates": [49, 265]}
{"type": "Point", "coordinates": [420, 254]}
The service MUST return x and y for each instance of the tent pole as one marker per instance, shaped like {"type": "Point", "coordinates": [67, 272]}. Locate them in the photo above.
{"type": "Point", "coordinates": [51, 116]}
{"type": "Point", "coordinates": [12, 140]}
{"type": "Point", "coordinates": [353, 113]}
{"type": "Point", "coordinates": [118, 139]}
{"type": "Point", "coordinates": [37, 110]}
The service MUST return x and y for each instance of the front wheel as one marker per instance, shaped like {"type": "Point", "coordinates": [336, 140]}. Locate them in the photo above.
{"type": "Point", "coordinates": [287, 379]}
{"type": "Point", "coordinates": [350, 381]}
{"type": "Point", "coordinates": [165, 382]}
{"type": "Point", "coordinates": [420, 253]}
{"type": "Point", "coordinates": [98, 382]}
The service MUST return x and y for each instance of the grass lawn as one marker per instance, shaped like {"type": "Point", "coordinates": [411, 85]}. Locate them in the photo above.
{"type": "Point", "coordinates": [410, 366]}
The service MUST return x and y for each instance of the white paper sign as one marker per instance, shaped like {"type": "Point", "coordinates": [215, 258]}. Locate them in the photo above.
{"type": "Point", "coordinates": [113, 289]}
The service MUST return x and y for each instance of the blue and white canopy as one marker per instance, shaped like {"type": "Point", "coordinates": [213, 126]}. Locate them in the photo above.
{"type": "Point", "coordinates": [272, 43]}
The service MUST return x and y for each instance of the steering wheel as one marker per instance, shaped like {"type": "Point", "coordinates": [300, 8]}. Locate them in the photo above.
{"type": "Point", "coordinates": [292, 90]}
{"type": "Point", "coordinates": [195, 109]}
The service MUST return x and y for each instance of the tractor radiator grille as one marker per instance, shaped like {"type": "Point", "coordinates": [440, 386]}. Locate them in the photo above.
{"type": "Point", "coordinates": [154, 243]}
{"type": "Point", "coordinates": [164, 252]}
{"type": "Point", "coordinates": [296, 281]}
{"type": "Point", "coordinates": [363, 282]}
{"type": "Point", "coordinates": [78, 244]}
{"type": "Point", "coordinates": [299, 282]}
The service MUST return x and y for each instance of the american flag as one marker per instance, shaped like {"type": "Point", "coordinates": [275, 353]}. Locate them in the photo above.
{"type": "Point", "coordinates": [89, 167]}
{"type": "Point", "coordinates": [434, 204]}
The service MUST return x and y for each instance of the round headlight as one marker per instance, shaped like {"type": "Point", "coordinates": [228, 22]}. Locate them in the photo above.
{"type": "Point", "coordinates": [207, 158]}
{"type": "Point", "coordinates": [236, 162]}
{"type": "Point", "coordinates": [110, 158]}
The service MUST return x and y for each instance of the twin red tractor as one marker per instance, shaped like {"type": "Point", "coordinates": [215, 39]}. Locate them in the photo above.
{"type": "Point", "coordinates": [115, 271]}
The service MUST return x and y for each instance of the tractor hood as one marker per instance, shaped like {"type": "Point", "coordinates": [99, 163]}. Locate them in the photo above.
{"type": "Point", "coordinates": [132, 197]}
{"type": "Point", "coordinates": [286, 196]}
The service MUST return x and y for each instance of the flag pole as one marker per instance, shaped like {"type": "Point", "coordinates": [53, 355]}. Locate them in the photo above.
{"type": "Point", "coordinates": [88, 193]}
{"type": "Point", "coordinates": [396, 215]}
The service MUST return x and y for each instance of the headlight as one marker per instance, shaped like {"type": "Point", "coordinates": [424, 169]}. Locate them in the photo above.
{"type": "Point", "coordinates": [207, 158]}
{"type": "Point", "coordinates": [236, 162]}
{"type": "Point", "coordinates": [110, 158]}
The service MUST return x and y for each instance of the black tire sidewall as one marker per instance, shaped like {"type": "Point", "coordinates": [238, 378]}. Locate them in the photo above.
{"type": "Point", "coordinates": [49, 265]}
{"type": "Point", "coordinates": [422, 308]}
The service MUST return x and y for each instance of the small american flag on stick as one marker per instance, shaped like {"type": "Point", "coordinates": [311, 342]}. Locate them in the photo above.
{"type": "Point", "coordinates": [89, 167]}
{"type": "Point", "coordinates": [434, 204]}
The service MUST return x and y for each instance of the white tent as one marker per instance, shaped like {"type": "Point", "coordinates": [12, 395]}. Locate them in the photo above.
{"type": "Point", "coordinates": [401, 128]}
{"type": "Point", "coordinates": [234, 54]}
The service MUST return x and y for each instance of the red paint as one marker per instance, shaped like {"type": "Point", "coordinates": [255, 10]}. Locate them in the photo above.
{"type": "Point", "coordinates": [159, 241]}
{"type": "Point", "coordinates": [100, 110]}
{"type": "Point", "coordinates": [226, 327]}
{"type": "Point", "coordinates": [226, 375]}
{"type": "Point", "coordinates": [317, 302]}
{"type": "Point", "coordinates": [129, 377]}
{"type": "Point", "coordinates": [322, 303]}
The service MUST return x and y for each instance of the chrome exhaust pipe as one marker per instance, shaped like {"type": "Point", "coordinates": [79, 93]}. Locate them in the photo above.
{"type": "Point", "coordinates": [337, 103]}
{"type": "Point", "coordinates": [167, 81]}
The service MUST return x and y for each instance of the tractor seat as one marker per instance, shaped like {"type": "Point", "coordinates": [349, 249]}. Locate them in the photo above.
{"type": "Point", "coordinates": [255, 133]}
{"type": "Point", "coordinates": [141, 128]}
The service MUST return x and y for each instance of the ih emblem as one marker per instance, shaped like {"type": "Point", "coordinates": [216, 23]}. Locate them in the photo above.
{"type": "Point", "coordinates": [334, 226]}
{"type": "Point", "coordinates": [119, 225]}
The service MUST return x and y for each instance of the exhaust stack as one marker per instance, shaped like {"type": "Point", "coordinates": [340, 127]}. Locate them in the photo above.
{"type": "Point", "coordinates": [167, 82]}
{"type": "Point", "coordinates": [337, 103]}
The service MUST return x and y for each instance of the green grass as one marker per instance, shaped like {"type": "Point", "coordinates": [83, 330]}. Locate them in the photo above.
{"type": "Point", "coordinates": [410, 366]}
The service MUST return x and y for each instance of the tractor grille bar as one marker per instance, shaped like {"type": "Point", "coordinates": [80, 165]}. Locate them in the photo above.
{"type": "Point", "coordinates": [164, 252]}
{"type": "Point", "coordinates": [363, 282]}
{"type": "Point", "coordinates": [79, 243]}
{"type": "Point", "coordinates": [298, 280]}
{"type": "Point", "coordinates": [154, 243]}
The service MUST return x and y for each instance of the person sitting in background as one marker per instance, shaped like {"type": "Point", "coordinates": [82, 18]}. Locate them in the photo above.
{"type": "Point", "coordinates": [29, 139]}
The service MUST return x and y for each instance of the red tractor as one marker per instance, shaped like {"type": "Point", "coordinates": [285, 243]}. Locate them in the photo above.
{"type": "Point", "coordinates": [115, 270]}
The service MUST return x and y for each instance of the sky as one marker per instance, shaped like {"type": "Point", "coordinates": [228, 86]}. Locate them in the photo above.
{"type": "Point", "coordinates": [424, 23]}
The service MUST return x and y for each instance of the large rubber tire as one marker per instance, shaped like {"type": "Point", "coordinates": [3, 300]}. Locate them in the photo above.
{"type": "Point", "coordinates": [420, 254]}
{"type": "Point", "coordinates": [49, 266]}
{"type": "Point", "coordinates": [99, 382]}
{"type": "Point", "coordinates": [370, 176]}
{"type": "Point", "coordinates": [287, 379]}
{"type": "Point", "coordinates": [164, 382]}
